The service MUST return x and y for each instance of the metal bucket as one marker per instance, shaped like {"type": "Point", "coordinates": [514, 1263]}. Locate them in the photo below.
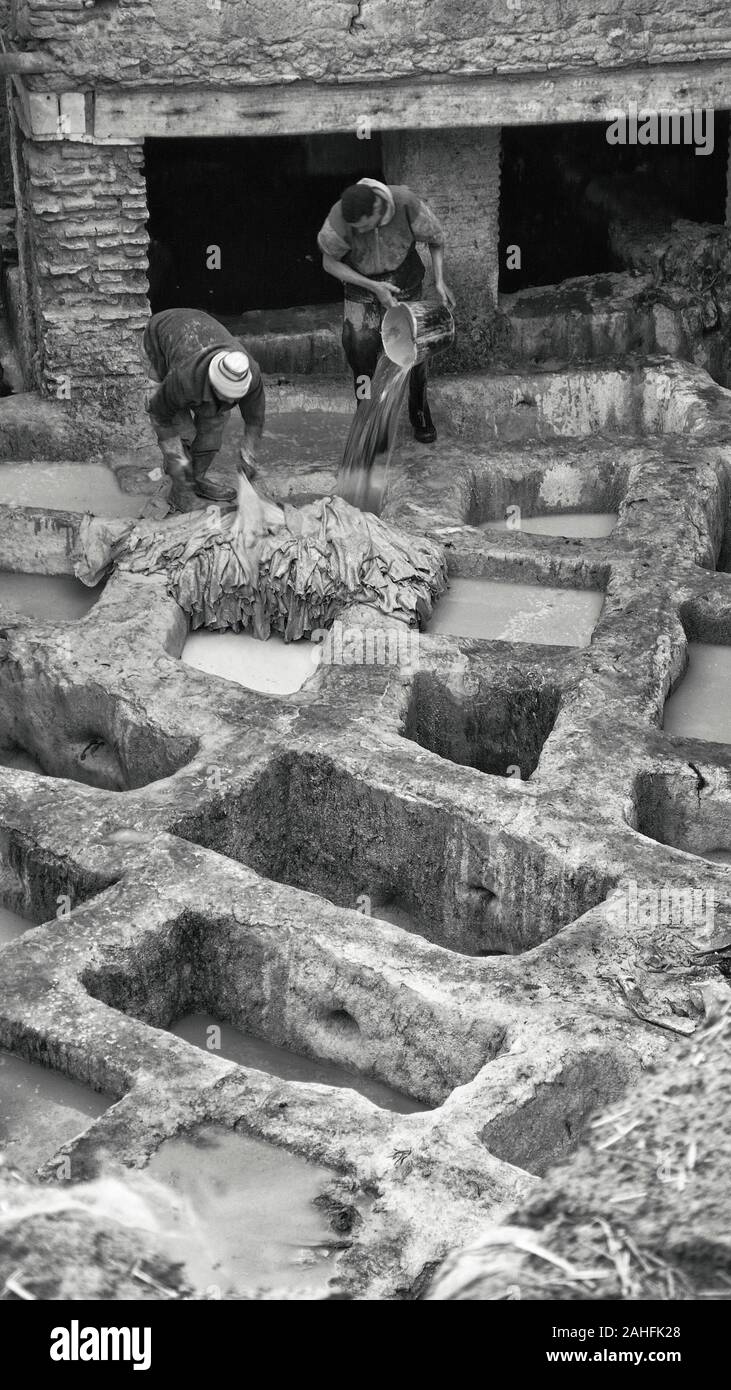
{"type": "Point", "coordinates": [412, 331]}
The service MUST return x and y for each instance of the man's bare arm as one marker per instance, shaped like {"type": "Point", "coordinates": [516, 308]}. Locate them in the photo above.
{"type": "Point", "coordinates": [437, 260]}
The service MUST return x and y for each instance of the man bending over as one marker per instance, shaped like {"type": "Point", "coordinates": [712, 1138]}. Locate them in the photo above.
{"type": "Point", "coordinates": [203, 373]}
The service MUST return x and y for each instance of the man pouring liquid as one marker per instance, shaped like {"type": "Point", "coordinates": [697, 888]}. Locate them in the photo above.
{"type": "Point", "coordinates": [368, 242]}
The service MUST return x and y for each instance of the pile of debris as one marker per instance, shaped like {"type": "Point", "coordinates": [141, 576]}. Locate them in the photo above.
{"type": "Point", "coordinates": [639, 1213]}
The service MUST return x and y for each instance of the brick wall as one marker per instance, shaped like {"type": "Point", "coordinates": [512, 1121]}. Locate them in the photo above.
{"type": "Point", "coordinates": [458, 173]}
{"type": "Point", "coordinates": [87, 213]}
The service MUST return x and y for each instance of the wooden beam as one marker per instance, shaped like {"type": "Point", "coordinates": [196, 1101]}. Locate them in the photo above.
{"type": "Point", "coordinates": [298, 108]}
{"type": "Point", "coordinates": [44, 113]}
{"type": "Point", "coordinates": [72, 115]}
{"type": "Point", "coordinates": [21, 103]}
{"type": "Point", "coordinates": [52, 115]}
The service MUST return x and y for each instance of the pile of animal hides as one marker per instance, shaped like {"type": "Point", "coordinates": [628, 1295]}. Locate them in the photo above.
{"type": "Point", "coordinates": [265, 568]}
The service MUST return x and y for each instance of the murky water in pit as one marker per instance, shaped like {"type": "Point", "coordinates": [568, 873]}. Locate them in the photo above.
{"type": "Point", "coordinates": [71, 487]}
{"type": "Point", "coordinates": [12, 926]}
{"type": "Point", "coordinates": [248, 1051]}
{"type": "Point", "coordinates": [699, 707]}
{"type": "Point", "coordinates": [500, 611]}
{"type": "Point", "coordinates": [245, 1216]}
{"type": "Point", "coordinates": [273, 667]}
{"type": "Point", "coordinates": [586, 525]}
{"type": "Point", "coordinates": [316, 436]}
{"type": "Point", "coordinates": [40, 1110]}
{"type": "Point", "coordinates": [50, 598]}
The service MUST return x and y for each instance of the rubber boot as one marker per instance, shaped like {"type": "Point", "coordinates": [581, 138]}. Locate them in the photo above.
{"type": "Point", "coordinates": [214, 492]}
{"type": "Point", "coordinates": [419, 413]}
{"type": "Point", "coordinates": [204, 487]}
{"type": "Point", "coordinates": [424, 430]}
{"type": "Point", "coordinates": [182, 496]}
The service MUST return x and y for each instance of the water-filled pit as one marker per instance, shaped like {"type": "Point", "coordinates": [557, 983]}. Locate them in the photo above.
{"type": "Point", "coordinates": [245, 1214]}
{"type": "Point", "coordinates": [583, 525]}
{"type": "Point", "coordinates": [12, 925]}
{"type": "Point", "coordinates": [700, 707]}
{"type": "Point", "coordinates": [675, 809]}
{"type": "Point", "coordinates": [565, 488]}
{"type": "Point", "coordinates": [40, 1110]}
{"type": "Point", "coordinates": [299, 455]}
{"type": "Point", "coordinates": [496, 610]}
{"type": "Point", "coordinates": [311, 824]}
{"type": "Point", "coordinates": [498, 728]}
{"type": "Point", "coordinates": [249, 1051]}
{"type": "Point", "coordinates": [83, 732]}
{"type": "Point", "coordinates": [359, 1024]}
{"type": "Point", "coordinates": [71, 487]}
{"type": "Point", "coordinates": [50, 598]}
{"type": "Point", "coordinates": [273, 667]}
{"type": "Point", "coordinates": [314, 435]}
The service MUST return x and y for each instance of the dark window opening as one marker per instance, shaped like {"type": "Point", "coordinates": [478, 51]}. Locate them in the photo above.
{"type": "Point", "coordinates": [262, 201]}
{"type": "Point", "coordinates": [545, 173]}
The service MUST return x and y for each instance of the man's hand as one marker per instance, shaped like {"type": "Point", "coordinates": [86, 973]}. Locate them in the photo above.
{"type": "Point", "coordinates": [384, 292]}
{"type": "Point", "coordinates": [445, 294]}
{"type": "Point", "coordinates": [176, 461]}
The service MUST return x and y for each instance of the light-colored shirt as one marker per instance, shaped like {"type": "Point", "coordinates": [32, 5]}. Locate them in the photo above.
{"type": "Point", "coordinates": [384, 248]}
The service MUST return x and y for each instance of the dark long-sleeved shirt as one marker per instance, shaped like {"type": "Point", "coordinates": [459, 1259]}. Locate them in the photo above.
{"type": "Point", "coordinates": [180, 344]}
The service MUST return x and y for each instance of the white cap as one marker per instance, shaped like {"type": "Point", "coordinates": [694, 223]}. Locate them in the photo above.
{"type": "Point", "coordinates": [230, 375]}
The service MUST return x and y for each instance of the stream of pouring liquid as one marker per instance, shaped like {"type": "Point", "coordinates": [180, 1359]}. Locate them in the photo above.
{"type": "Point", "coordinates": [363, 473]}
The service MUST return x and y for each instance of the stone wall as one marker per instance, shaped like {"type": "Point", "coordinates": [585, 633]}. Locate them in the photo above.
{"type": "Point", "coordinates": [135, 42]}
{"type": "Point", "coordinates": [87, 218]}
{"type": "Point", "coordinates": [458, 173]}
{"type": "Point", "coordinates": [6, 177]}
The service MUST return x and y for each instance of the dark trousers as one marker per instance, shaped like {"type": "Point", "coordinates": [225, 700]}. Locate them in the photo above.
{"type": "Point", "coordinates": [363, 348]}
{"type": "Point", "coordinates": [362, 330]}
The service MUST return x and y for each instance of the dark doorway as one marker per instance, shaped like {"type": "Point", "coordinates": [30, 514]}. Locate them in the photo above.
{"type": "Point", "coordinates": [261, 201]}
{"type": "Point", "coordinates": [543, 209]}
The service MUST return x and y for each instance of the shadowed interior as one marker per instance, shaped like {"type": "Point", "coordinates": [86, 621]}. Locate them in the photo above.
{"type": "Point", "coordinates": [313, 825]}
{"type": "Point", "coordinates": [499, 731]}
{"type": "Point", "coordinates": [85, 733]}
{"type": "Point", "coordinates": [287, 987]}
